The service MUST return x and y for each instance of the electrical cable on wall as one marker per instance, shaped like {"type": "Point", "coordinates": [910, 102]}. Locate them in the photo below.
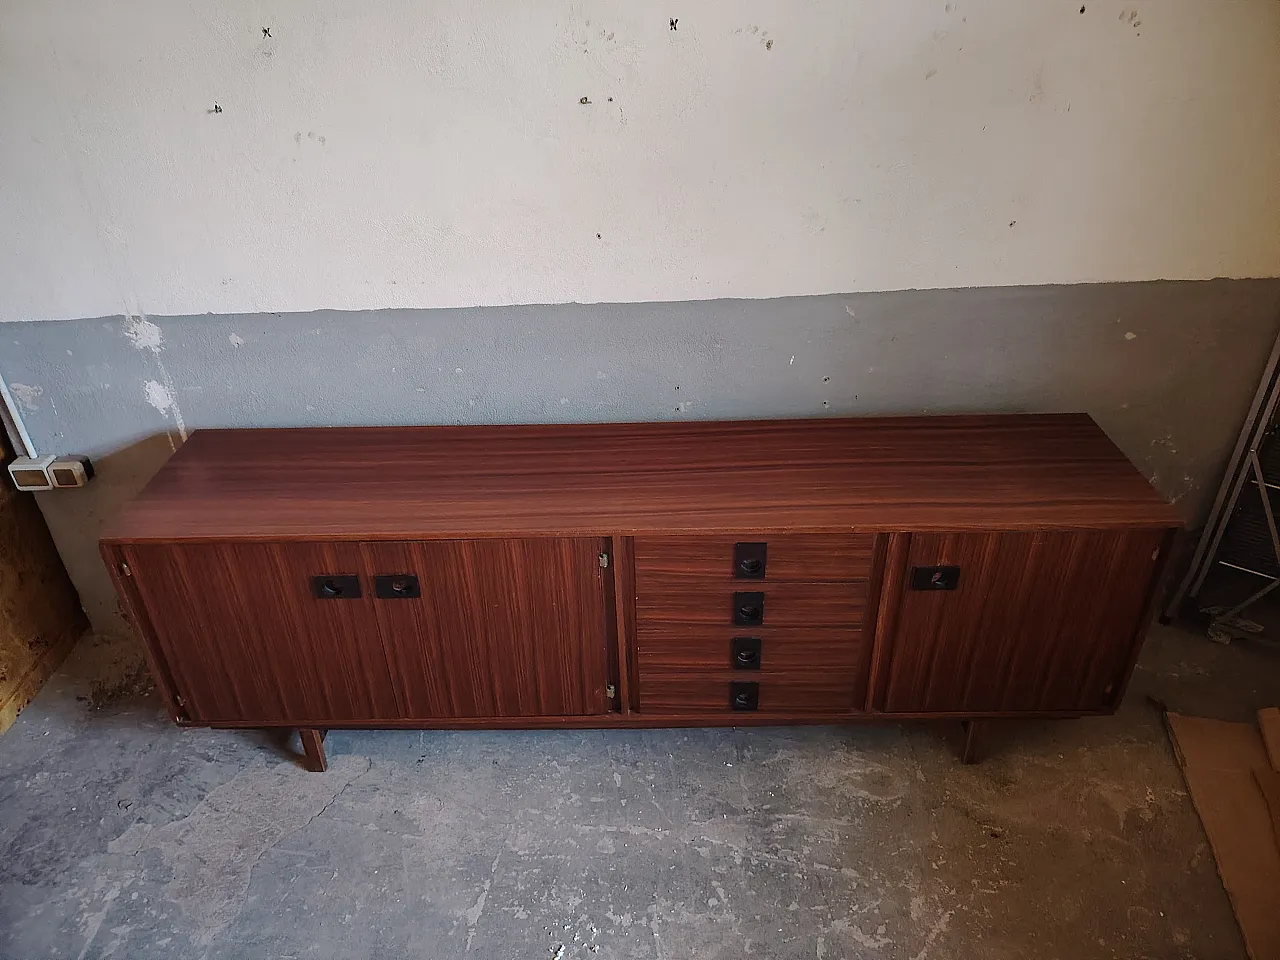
{"type": "Point", "coordinates": [13, 425]}
{"type": "Point", "coordinates": [30, 471]}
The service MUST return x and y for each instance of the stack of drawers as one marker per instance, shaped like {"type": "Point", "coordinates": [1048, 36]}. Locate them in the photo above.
{"type": "Point", "coordinates": [774, 625]}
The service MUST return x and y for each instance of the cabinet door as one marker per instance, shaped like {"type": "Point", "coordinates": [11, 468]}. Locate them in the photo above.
{"type": "Point", "coordinates": [246, 639]}
{"type": "Point", "coordinates": [1037, 622]}
{"type": "Point", "coordinates": [495, 628]}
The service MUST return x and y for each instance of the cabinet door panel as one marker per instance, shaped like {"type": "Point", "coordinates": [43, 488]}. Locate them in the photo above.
{"type": "Point", "coordinates": [1039, 622]}
{"type": "Point", "coordinates": [501, 628]}
{"type": "Point", "coordinates": [247, 641]}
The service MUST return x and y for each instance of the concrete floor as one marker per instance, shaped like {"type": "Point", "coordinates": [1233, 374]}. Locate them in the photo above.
{"type": "Point", "coordinates": [125, 836]}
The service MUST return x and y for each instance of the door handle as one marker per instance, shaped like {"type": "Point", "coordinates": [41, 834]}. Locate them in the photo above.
{"type": "Point", "coordinates": [397, 586]}
{"type": "Point", "coordinates": [335, 587]}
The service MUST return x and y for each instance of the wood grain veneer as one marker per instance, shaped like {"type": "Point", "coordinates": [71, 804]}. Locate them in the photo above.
{"type": "Point", "coordinates": [790, 695]}
{"type": "Point", "coordinates": [715, 478]}
{"type": "Point", "coordinates": [785, 604]}
{"type": "Point", "coordinates": [582, 575]}
{"type": "Point", "coordinates": [679, 647]}
{"type": "Point", "coordinates": [815, 559]}
{"type": "Point", "coordinates": [1040, 622]}
{"type": "Point", "coordinates": [244, 638]}
{"type": "Point", "coordinates": [503, 628]}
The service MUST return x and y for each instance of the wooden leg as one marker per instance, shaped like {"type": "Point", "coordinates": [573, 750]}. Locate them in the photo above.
{"type": "Point", "coordinates": [313, 747]}
{"type": "Point", "coordinates": [972, 734]}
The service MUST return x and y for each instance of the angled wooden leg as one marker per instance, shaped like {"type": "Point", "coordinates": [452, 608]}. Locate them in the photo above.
{"type": "Point", "coordinates": [313, 747]}
{"type": "Point", "coordinates": [972, 734]}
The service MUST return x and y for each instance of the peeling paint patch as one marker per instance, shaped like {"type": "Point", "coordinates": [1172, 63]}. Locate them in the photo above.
{"type": "Point", "coordinates": [144, 334]}
{"type": "Point", "coordinates": [161, 396]}
{"type": "Point", "coordinates": [236, 340]}
{"type": "Point", "coordinates": [1131, 335]}
{"type": "Point", "coordinates": [158, 395]}
{"type": "Point", "coordinates": [27, 395]}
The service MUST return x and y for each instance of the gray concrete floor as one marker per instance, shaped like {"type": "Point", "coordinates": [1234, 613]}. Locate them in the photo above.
{"type": "Point", "coordinates": [125, 836]}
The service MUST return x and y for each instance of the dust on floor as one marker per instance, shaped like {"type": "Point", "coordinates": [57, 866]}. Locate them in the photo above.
{"type": "Point", "coordinates": [125, 836]}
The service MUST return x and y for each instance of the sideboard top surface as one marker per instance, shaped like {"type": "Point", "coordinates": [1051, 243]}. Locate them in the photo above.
{"type": "Point", "coordinates": [1009, 472]}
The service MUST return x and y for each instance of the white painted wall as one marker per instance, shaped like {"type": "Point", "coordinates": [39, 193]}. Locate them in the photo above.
{"type": "Point", "coordinates": [408, 153]}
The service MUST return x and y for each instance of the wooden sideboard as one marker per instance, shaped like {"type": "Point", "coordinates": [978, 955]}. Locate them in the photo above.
{"type": "Point", "coordinates": [656, 574]}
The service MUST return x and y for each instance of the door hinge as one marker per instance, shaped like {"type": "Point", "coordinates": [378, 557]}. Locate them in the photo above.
{"type": "Point", "coordinates": [610, 691]}
{"type": "Point", "coordinates": [604, 561]}
{"type": "Point", "coordinates": [124, 569]}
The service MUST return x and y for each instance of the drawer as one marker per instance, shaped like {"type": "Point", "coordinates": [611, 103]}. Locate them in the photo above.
{"type": "Point", "coordinates": [684, 647]}
{"type": "Point", "coordinates": [784, 604]}
{"type": "Point", "coordinates": [792, 557]}
{"type": "Point", "coordinates": [702, 694]}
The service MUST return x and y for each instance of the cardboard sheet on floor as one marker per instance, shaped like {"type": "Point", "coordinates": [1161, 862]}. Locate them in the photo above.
{"type": "Point", "coordinates": [1269, 725]}
{"type": "Point", "coordinates": [1219, 761]}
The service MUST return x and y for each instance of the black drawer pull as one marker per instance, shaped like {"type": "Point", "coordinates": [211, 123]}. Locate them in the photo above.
{"type": "Point", "coordinates": [327, 587]}
{"type": "Point", "coordinates": [745, 653]}
{"type": "Point", "coordinates": [397, 586]}
{"type": "Point", "coordinates": [748, 609]}
{"type": "Point", "coordinates": [935, 578]}
{"type": "Point", "coordinates": [749, 560]}
{"type": "Point", "coordinates": [744, 696]}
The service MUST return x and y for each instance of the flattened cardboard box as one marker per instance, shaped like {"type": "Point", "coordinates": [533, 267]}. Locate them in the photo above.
{"type": "Point", "coordinates": [1223, 764]}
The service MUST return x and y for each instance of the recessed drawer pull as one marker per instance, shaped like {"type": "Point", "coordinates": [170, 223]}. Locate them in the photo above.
{"type": "Point", "coordinates": [935, 578]}
{"type": "Point", "coordinates": [750, 560]}
{"type": "Point", "coordinates": [744, 696]}
{"type": "Point", "coordinates": [745, 653]}
{"type": "Point", "coordinates": [748, 609]}
{"type": "Point", "coordinates": [330, 587]}
{"type": "Point", "coordinates": [396, 586]}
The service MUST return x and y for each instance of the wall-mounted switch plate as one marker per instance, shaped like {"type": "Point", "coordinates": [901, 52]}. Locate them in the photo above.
{"type": "Point", "coordinates": [32, 473]}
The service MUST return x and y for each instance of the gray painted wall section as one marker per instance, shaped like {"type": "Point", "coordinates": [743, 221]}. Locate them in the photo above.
{"type": "Point", "coordinates": [1167, 368]}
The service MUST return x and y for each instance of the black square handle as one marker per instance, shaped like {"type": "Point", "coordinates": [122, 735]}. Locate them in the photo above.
{"type": "Point", "coordinates": [748, 609]}
{"type": "Point", "coordinates": [750, 560]}
{"type": "Point", "coordinates": [935, 578]}
{"type": "Point", "coordinates": [744, 653]}
{"type": "Point", "coordinates": [744, 696]}
{"type": "Point", "coordinates": [335, 587]}
{"type": "Point", "coordinates": [396, 586]}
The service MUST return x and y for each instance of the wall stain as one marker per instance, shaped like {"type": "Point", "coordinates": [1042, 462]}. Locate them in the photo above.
{"type": "Point", "coordinates": [27, 395]}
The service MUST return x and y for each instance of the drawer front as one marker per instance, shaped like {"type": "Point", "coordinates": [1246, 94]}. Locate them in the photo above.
{"type": "Point", "coordinates": [815, 558]}
{"type": "Point", "coordinates": [688, 647]}
{"type": "Point", "coordinates": [711, 694]}
{"type": "Point", "coordinates": [783, 604]}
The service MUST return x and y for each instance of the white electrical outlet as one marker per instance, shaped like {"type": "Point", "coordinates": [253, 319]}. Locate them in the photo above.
{"type": "Point", "coordinates": [32, 473]}
{"type": "Point", "coordinates": [50, 472]}
{"type": "Point", "coordinates": [70, 472]}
